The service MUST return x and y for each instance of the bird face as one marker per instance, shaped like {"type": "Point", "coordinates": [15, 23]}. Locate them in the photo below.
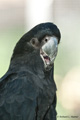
{"type": "Point", "coordinates": [39, 44]}
{"type": "Point", "coordinates": [49, 51]}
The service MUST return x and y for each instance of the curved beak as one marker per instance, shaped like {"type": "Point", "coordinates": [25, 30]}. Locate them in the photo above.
{"type": "Point", "coordinates": [49, 51]}
{"type": "Point", "coordinates": [51, 48]}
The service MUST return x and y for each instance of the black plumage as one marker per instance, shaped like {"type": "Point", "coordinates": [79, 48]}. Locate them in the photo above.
{"type": "Point", "coordinates": [27, 90]}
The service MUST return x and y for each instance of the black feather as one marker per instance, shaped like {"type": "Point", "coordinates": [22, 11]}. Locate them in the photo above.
{"type": "Point", "coordinates": [27, 91]}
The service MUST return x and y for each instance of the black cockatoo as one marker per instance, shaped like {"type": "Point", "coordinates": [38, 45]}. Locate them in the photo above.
{"type": "Point", "coordinates": [28, 90]}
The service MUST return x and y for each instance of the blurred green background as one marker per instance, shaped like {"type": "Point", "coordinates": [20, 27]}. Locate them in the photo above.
{"type": "Point", "coordinates": [15, 21]}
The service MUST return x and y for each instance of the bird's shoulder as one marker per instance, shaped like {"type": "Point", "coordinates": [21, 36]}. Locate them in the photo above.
{"type": "Point", "coordinates": [17, 87]}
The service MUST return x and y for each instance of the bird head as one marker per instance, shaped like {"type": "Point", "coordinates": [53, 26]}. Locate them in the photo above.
{"type": "Point", "coordinates": [44, 39]}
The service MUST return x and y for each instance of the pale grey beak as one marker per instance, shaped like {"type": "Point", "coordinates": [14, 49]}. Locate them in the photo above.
{"type": "Point", "coordinates": [51, 49]}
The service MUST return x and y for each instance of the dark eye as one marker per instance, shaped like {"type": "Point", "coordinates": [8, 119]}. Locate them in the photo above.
{"type": "Point", "coordinates": [46, 39]}
{"type": "Point", "coordinates": [33, 41]}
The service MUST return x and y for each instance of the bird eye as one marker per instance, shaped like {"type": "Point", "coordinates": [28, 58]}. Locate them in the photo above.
{"type": "Point", "coordinates": [33, 41]}
{"type": "Point", "coordinates": [46, 39]}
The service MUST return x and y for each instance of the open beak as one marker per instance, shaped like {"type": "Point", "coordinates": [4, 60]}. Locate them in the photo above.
{"type": "Point", "coordinates": [49, 51]}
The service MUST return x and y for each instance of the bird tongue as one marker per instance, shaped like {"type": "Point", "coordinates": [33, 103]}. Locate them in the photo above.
{"type": "Point", "coordinates": [47, 59]}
